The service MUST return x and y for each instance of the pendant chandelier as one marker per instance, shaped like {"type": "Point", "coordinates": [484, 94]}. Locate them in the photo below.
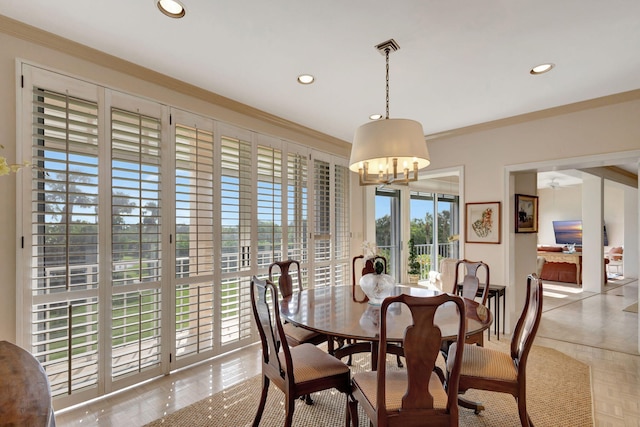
{"type": "Point", "coordinates": [389, 151]}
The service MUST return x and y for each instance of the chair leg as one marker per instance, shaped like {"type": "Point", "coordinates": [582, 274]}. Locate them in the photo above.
{"type": "Point", "coordinates": [290, 407]}
{"type": "Point", "coordinates": [399, 361]}
{"type": "Point", "coordinates": [352, 411]}
{"type": "Point", "coordinates": [263, 401]}
{"type": "Point", "coordinates": [525, 420]}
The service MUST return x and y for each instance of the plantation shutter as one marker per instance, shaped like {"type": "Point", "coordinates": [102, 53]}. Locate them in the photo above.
{"type": "Point", "coordinates": [341, 226]}
{"type": "Point", "coordinates": [322, 222]}
{"type": "Point", "coordinates": [236, 208]}
{"type": "Point", "coordinates": [136, 241]}
{"type": "Point", "coordinates": [64, 239]}
{"type": "Point", "coordinates": [194, 231]}
{"type": "Point", "coordinates": [269, 206]}
{"type": "Point", "coordinates": [297, 211]}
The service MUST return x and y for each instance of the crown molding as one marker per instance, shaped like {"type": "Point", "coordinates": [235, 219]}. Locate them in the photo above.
{"type": "Point", "coordinates": [604, 101]}
{"type": "Point", "coordinates": [48, 40]}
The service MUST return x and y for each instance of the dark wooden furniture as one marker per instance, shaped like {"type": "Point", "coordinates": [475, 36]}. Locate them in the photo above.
{"type": "Point", "coordinates": [466, 278]}
{"type": "Point", "coordinates": [25, 395]}
{"type": "Point", "coordinates": [486, 369]}
{"type": "Point", "coordinates": [496, 293]}
{"type": "Point", "coordinates": [468, 283]}
{"type": "Point", "coordinates": [560, 266]}
{"type": "Point", "coordinates": [415, 396]}
{"type": "Point", "coordinates": [332, 311]}
{"type": "Point", "coordinates": [297, 371]}
{"type": "Point", "coordinates": [295, 335]}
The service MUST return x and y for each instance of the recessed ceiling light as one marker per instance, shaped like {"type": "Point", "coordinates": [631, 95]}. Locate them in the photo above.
{"type": "Point", "coordinates": [542, 68]}
{"type": "Point", "coordinates": [306, 79]}
{"type": "Point", "coordinates": [171, 8]}
{"type": "Point", "coordinates": [375, 116]}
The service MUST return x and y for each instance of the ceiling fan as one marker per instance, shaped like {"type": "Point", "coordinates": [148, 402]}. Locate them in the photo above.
{"type": "Point", "coordinates": [553, 184]}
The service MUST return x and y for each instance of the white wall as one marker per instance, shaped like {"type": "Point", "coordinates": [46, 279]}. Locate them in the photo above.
{"type": "Point", "coordinates": [567, 138]}
{"type": "Point", "coordinates": [565, 203]}
{"type": "Point", "coordinates": [562, 203]}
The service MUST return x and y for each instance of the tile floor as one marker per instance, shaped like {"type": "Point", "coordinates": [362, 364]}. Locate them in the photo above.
{"type": "Point", "coordinates": [590, 327]}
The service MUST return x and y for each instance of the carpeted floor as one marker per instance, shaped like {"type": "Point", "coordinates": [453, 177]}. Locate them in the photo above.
{"type": "Point", "coordinates": [559, 394]}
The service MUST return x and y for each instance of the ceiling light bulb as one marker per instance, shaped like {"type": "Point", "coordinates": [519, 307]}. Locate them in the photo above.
{"type": "Point", "coordinates": [306, 79]}
{"type": "Point", "coordinates": [542, 68]}
{"type": "Point", "coordinates": [171, 8]}
{"type": "Point", "coordinates": [375, 116]}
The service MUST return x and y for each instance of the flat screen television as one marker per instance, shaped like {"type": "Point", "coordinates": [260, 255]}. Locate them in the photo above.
{"type": "Point", "coordinates": [570, 233]}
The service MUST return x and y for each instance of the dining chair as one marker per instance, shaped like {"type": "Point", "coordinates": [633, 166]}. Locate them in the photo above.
{"type": "Point", "coordinates": [417, 395]}
{"type": "Point", "coordinates": [493, 370]}
{"type": "Point", "coordinates": [467, 277]}
{"type": "Point", "coordinates": [296, 371]}
{"type": "Point", "coordinates": [447, 272]}
{"type": "Point", "coordinates": [368, 268]}
{"type": "Point", "coordinates": [295, 334]}
{"type": "Point", "coordinates": [466, 274]}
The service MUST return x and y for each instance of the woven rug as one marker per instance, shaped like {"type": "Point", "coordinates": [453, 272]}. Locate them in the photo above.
{"type": "Point", "coordinates": [558, 394]}
{"type": "Point", "coordinates": [633, 308]}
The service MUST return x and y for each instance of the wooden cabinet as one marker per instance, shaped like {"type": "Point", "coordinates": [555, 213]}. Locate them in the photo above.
{"type": "Point", "coordinates": [562, 267]}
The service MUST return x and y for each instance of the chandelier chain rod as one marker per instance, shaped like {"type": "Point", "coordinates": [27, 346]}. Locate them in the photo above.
{"type": "Point", "coordinates": [387, 50]}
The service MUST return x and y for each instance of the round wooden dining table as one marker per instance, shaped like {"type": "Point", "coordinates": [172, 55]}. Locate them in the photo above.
{"type": "Point", "coordinates": [336, 312]}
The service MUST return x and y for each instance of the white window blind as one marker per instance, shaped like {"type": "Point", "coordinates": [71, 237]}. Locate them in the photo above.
{"type": "Point", "coordinates": [322, 222]}
{"type": "Point", "coordinates": [64, 239]}
{"type": "Point", "coordinates": [340, 223]}
{"type": "Point", "coordinates": [269, 205]}
{"type": "Point", "coordinates": [194, 326]}
{"type": "Point", "coordinates": [136, 242]}
{"type": "Point", "coordinates": [127, 217]}
{"type": "Point", "coordinates": [237, 212]}
{"type": "Point", "coordinates": [297, 207]}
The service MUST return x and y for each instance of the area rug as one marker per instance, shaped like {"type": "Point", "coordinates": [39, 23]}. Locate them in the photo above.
{"type": "Point", "coordinates": [558, 388]}
{"type": "Point", "coordinates": [633, 308]}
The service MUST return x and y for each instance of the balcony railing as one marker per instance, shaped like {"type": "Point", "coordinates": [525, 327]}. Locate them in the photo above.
{"type": "Point", "coordinates": [425, 252]}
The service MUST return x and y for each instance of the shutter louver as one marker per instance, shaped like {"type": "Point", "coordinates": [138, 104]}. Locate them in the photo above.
{"type": "Point", "coordinates": [297, 206]}
{"type": "Point", "coordinates": [236, 263]}
{"type": "Point", "coordinates": [194, 241]}
{"type": "Point", "coordinates": [64, 239]}
{"type": "Point", "coordinates": [322, 219]}
{"type": "Point", "coordinates": [136, 249]}
{"type": "Point", "coordinates": [269, 206]}
{"type": "Point", "coordinates": [341, 226]}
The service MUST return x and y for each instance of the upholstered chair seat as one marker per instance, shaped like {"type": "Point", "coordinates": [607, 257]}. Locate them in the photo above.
{"type": "Point", "coordinates": [310, 363]}
{"type": "Point", "coordinates": [396, 387]}
{"type": "Point", "coordinates": [485, 363]}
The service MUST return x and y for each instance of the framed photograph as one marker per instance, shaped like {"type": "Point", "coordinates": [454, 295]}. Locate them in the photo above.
{"type": "Point", "coordinates": [483, 222]}
{"type": "Point", "coordinates": [526, 214]}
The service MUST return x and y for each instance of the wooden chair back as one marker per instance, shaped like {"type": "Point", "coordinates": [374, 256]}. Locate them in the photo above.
{"type": "Point", "coordinates": [527, 325]}
{"type": "Point", "coordinates": [285, 279]}
{"type": "Point", "coordinates": [264, 297]}
{"type": "Point", "coordinates": [466, 274]}
{"type": "Point", "coordinates": [421, 344]}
